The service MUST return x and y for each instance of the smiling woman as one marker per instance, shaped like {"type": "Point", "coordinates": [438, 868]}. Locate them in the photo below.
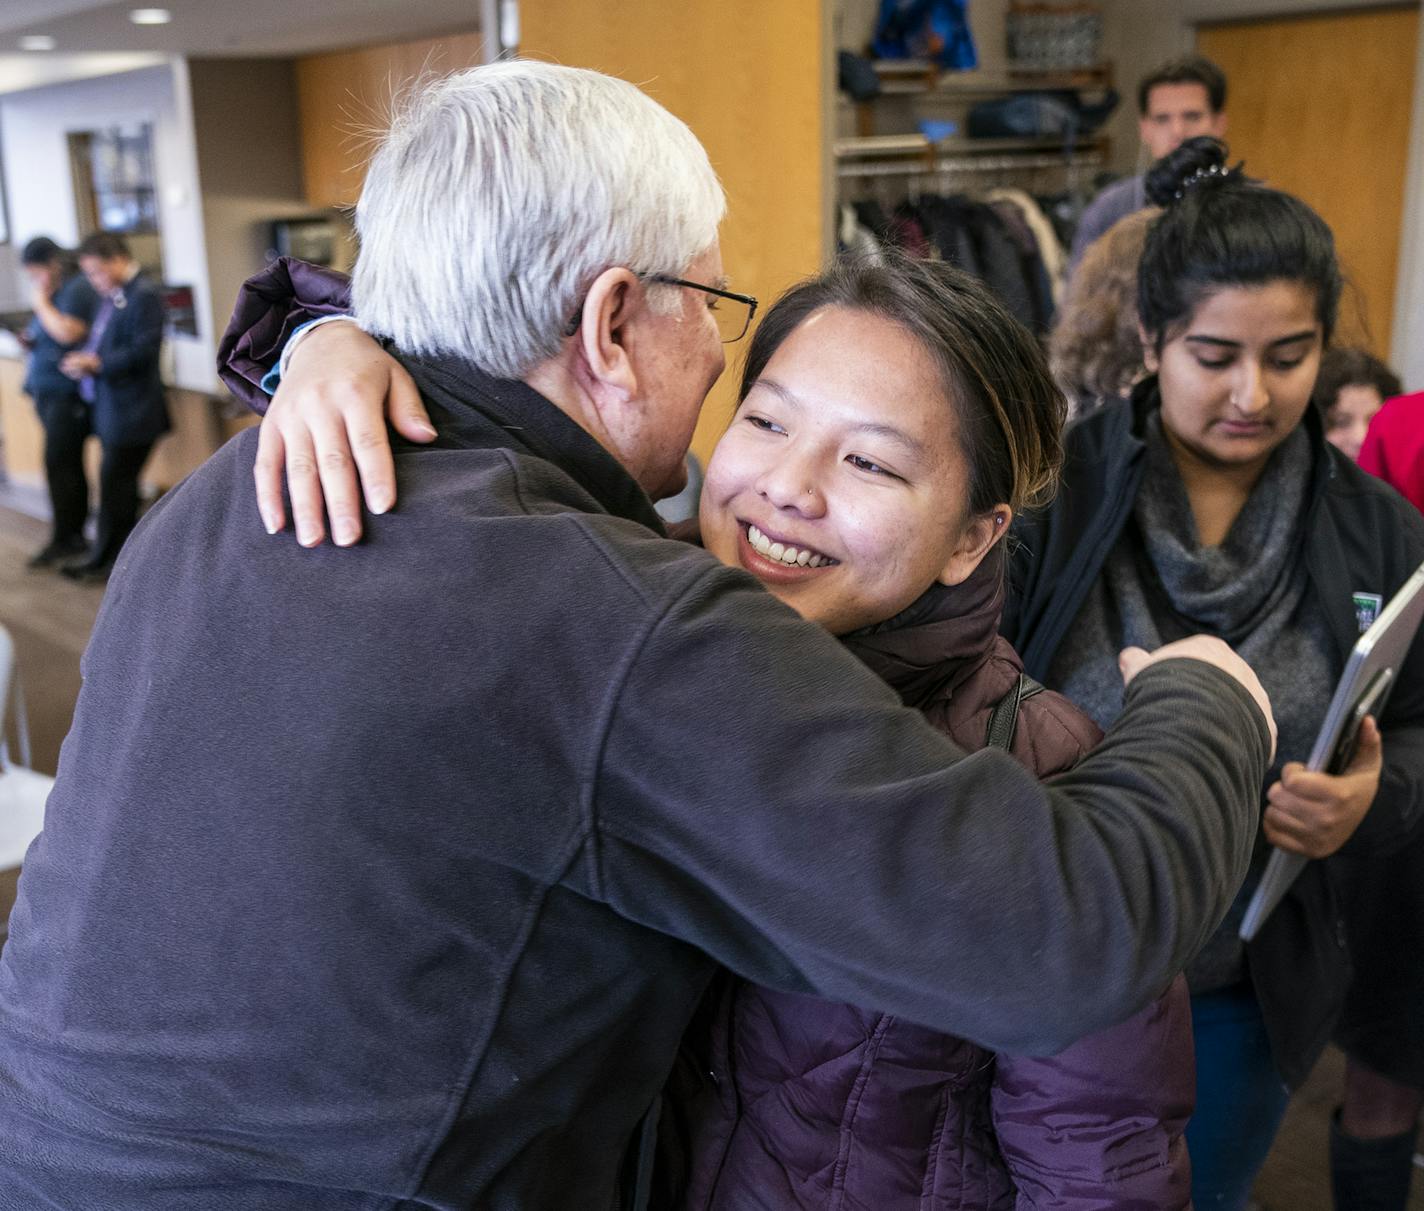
{"type": "Point", "coordinates": [892, 421]}
{"type": "Point", "coordinates": [889, 427]}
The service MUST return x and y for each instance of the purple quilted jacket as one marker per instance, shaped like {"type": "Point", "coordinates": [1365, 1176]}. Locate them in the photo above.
{"type": "Point", "coordinates": [804, 1103]}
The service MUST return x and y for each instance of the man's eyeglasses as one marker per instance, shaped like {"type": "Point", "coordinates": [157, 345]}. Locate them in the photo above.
{"type": "Point", "coordinates": [733, 319]}
{"type": "Point", "coordinates": [733, 312]}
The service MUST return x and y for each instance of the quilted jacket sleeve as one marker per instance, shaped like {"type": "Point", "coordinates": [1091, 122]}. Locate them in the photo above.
{"type": "Point", "coordinates": [1101, 1124]}
{"type": "Point", "coordinates": [270, 306]}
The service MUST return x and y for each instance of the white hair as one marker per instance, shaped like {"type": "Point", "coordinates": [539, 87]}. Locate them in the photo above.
{"type": "Point", "coordinates": [500, 193]}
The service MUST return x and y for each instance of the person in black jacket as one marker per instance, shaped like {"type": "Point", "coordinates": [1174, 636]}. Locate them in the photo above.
{"type": "Point", "coordinates": [64, 304]}
{"type": "Point", "coordinates": [1210, 500]}
{"type": "Point", "coordinates": [116, 370]}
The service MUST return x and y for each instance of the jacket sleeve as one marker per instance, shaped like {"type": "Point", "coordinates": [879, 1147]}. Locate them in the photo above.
{"type": "Point", "coordinates": [1101, 1124]}
{"type": "Point", "coordinates": [762, 795]}
{"type": "Point", "coordinates": [270, 306]}
{"type": "Point", "coordinates": [137, 340]}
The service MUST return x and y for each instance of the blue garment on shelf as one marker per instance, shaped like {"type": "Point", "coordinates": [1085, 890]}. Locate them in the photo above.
{"type": "Point", "coordinates": [937, 30]}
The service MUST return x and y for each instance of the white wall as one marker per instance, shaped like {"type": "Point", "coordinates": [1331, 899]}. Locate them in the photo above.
{"type": "Point", "coordinates": [1407, 340]}
{"type": "Point", "coordinates": [244, 189]}
{"type": "Point", "coordinates": [33, 129]}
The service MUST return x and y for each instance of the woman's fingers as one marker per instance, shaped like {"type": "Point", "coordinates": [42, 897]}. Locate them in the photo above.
{"type": "Point", "coordinates": [336, 470]}
{"type": "Point", "coordinates": [268, 473]}
{"type": "Point", "coordinates": [407, 410]}
{"type": "Point", "coordinates": [371, 444]}
{"type": "Point", "coordinates": [304, 486]}
{"type": "Point", "coordinates": [1288, 834]}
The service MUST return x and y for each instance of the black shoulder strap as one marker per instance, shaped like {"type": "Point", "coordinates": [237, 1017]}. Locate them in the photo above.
{"type": "Point", "coordinates": [1004, 720]}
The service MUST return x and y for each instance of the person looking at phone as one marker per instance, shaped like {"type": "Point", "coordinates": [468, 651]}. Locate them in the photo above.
{"type": "Point", "coordinates": [1211, 500]}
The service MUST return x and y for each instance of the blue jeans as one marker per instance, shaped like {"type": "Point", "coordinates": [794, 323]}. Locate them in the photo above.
{"type": "Point", "coordinates": [1241, 1098]}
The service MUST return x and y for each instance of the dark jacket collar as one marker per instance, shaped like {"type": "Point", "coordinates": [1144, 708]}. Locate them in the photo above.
{"type": "Point", "coordinates": [472, 409]}
{"type": "Point", "coordinates": [940, 638]}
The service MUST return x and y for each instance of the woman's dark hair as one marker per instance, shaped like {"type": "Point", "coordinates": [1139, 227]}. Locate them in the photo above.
{"type": "Point", "coordinates": [1219, 230]}
{"type": "Point", "coordinates": [1010, 412]}
{"type": "Point", "coordinates": [1341, 368]}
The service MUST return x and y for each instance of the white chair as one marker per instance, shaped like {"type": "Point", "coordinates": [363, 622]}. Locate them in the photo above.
{"type": "Point", "coordinates": [22, 791]}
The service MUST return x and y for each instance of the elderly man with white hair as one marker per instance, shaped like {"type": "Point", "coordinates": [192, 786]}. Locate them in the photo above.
{"type": "Point", "coordinates": [418, 921]}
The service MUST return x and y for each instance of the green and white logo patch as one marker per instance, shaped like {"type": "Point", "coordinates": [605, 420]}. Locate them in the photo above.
{"type": "Point", "coordinates": [1367, 609]}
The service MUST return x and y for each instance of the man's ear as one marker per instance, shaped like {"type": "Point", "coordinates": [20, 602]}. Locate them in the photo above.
{"type": "Point", "coordinates": [1149, 351]}
{"type": "Point", "coordinates": [977, 541]}
{"type": "Point", "coordinates": [1218, 124]}
{"type": "Point", "coordinates": [604, 364]}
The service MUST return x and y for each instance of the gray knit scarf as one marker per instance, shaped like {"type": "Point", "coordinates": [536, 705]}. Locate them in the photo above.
{"type": "Point", "coordinates": [1159, 584]}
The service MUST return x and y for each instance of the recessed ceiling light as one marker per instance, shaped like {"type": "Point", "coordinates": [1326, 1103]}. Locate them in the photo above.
{"type": "Point", "coordinates": [36, 42]}
{"type": "Point", "coordinates": [150, 16]}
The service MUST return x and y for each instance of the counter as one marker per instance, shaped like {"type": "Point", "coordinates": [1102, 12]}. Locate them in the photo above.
{"type": "Point", "coordinates": [200, 426]}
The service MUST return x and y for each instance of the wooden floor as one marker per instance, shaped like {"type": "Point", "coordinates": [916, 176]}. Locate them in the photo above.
{"type": "Point", "coordinates": [51, 618]}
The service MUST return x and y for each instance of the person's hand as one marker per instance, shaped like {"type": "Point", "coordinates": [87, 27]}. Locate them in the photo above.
{"type": "Point", "coordinates": [325, 428]}
{"type": "Point", "coordinates": [1312, 813]}
{"type": "Point", "coordinates": [39, 296]}
{"type": "Point", "coordinates": [1209, 650]}
{"type": "Point", "coordinates": [77, 365]}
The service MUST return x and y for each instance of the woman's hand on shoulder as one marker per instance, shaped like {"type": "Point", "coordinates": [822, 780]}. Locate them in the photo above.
{"type": "Point", "coordinates": [325, 433]}
{"type": "Point", "coordinates": [1312, 813]}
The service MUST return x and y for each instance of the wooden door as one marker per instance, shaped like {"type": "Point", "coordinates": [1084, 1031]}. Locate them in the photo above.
{"type": "Point", "coordinates": [344, 99]}
{"type": "Point", "coordinates": [1319, 106]}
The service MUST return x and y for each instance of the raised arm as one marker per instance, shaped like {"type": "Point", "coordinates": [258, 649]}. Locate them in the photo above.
{"type": "Point", "coordinates": [770, 802]}
{"type": "Point", "coordinates": [59, 323]}
{"type": "Point", "coordinates": [323, 433]}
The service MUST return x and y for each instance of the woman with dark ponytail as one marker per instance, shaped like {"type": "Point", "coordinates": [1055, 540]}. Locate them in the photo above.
{"type": "Point", "coordinates": [1210, 501]}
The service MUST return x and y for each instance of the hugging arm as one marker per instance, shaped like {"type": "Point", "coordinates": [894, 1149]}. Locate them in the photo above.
{"type": "Point", "coordinates": [324, 432]}
{"type": "Point", "coordinates": [829, 840]}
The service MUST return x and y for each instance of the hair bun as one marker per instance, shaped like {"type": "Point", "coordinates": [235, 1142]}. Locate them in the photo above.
{"type": "Point", "coordinates": [1200, 160]}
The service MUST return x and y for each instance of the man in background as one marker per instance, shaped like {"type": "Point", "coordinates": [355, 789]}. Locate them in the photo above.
{"type": "Point", "coordinates": [1183, 98]}
{"type": "Point", "coordinates": [117, 373]}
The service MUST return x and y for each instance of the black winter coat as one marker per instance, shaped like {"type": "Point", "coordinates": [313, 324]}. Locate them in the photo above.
{"type": "Point", "coordinates": [1362, 536]}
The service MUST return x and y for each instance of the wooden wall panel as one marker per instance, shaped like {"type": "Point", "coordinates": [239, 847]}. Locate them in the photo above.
{"type": "Point", "coordinates": [752, 80]}
{"type": "Point", "coordinates": [344, 100]}
{"type": "Point", "coordinates": [1319, 106]}
{"type": "Point", "coordinates": [197, 431]}
{"type": "Point", "coordinates": [20, 430]}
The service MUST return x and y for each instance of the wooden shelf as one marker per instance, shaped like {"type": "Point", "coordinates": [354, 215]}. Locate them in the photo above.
{"type": "Point", "coordinates": [912, 77]}
{"type": "Point", "coordinates": [876, 147]}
